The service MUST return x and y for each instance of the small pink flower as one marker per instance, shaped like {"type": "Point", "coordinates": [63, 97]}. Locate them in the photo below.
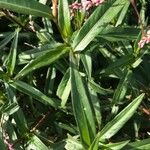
{"type": "Point", "coordinates": [87, 5]}
{"type": "Point", "coordinates": [145, 40]}
{"type": "Point", "coordinates": [75, 6]}
{"type": "Point", "coordinates": [97, 2]}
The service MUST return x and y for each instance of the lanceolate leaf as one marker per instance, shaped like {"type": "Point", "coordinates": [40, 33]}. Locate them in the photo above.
{"type": "Point", "coordinates": [119, 33]}
{"type": "Point", "coordinates": [139, 145]}
{"type": "Point", "coordinates": [122, 62]}
{"type": "Point", "coordinates": [122, 87]}
{"type": "Point", "coordinates": [117, 123]}
{"type": "Point", "coordinates": [34, 93]}
{"type": "Point", "coordinates": [7, 39]}
{"type": "Point", "coordinates": [43, 60]}
{"type": "Point", "coordinates": [36, 143]}
{"type": "Point", "coordinates": [64, 88]}
{"type": "Point", "coordinates": [97, 22]}
{"type": "Point", "coordinates": [117, 146]}
{"type": "Point", "coordinates": [122, 14]}
{"type": "Point", "coordinates": [11, 61]}
{"type": "Point", "coordinates": [64, 18]}
{"type": "Point", "coordinates": [19, 115]}
{"type": "Point", "coordinates": [30, 7]}
{"type": "Point", "coordinates": [81, 106]}
{"type": "Point", "coordinates": [97, 88]}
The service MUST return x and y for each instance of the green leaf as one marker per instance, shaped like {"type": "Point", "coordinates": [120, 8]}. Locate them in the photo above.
{"type": "Point", "coordinates": [122, 14]}
{"type": "Point", "coordinates": [97, 22]}
{"type": "Point", "coordinates": [64, 18]}
{"type": "Point", "coordinates": [68, 127]}
{"type": "Point", "coordinates": [36, 143]}
{"type": "Point", "coordinates": [119, 63]}
{"type": "Point", "coordinates": [50, 80]}
{"type": "Point", "coordinates": [117, 123]}
{"type": "Point", "coordinates": [122, 87]}
{"type": "Point", "coordinates": [139, 145]}
{"type": "Point", "coordinates": [11, 60]}
{"type": "Point", "coordinates": [112, 127]}
{"type": "Point", "coordinates": [81, 106]}
{"type": "Point", "coordinates": [64, 88]}
{"type": "Point", "coordinates": [18, 115]}
{"type": "Point", "coordinates": [73, 144]}
{"type": "Point", "coordinates": [87, 62]}
{"type": "Point", "coordinates": [98, 89]}
{"type": "Point", "coordinates": [33, 53]}
{"type": "Point", "coordinates": [43, 60]}
{"type": "Point", "coordinates": [11, 108]}
{"type": "Point", "coordinates": [117, 146]}
{"type": "Point", "coordinates": [29, 7]}
{"type": "Point", "coordinates": [119, 33]}
{"type": "Point", "coordinates": [7, 39]}
{"type": "Point", "coordinates": [3, 76]}
{"type": "Point", "coordinates": [58, 146]}
{"type": "Point", "coordinates": [95, 102]}
{"type": "Point", "coordinates": [34, 93]}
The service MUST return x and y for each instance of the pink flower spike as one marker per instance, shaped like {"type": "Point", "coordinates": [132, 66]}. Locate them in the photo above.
{"type": "Point", "coordinates": [97, 2]}
{"type": "Point", "coordinates": [145, 40]}
{"type": "Point", "coordinates": [87, 5]}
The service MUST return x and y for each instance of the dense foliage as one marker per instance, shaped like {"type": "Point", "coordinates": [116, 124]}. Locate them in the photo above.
{"type": "Point", "coordinates": [74, 75]}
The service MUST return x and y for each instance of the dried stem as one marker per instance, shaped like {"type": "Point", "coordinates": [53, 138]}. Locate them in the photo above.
{"type": "Point", "coordinates": [54, 11]}
{"type": "Point", "coordinates": [13, 18]}
{"type": "Point", "coordinates": [40, 121]}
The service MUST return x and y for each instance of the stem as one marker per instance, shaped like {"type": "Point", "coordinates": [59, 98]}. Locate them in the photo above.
{"type": "Point", "coordinates": [54, 11]}
{"type": "Point", "coordinates": [40, 121]}
{"type": "Point", "coordinates": [138, 15]}
{"type": "Point", "coordinates": [13, 18]}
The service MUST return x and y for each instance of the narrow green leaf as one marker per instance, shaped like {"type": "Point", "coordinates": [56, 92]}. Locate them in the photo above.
{"type": "Point", "coordinates": [3, 76]}
{"type": "Point", "coordinates": [95, 144]}
{"type": "Point", "coordinates": [50, 80]}
{"type": "Point", "coordinates": [68, 127]}
{"type": "Point", "coordinates": [81, 106]}
{"type": "Point", "coordinates": [34, 93]}
{"type": "Point", "coordinates": [7, 39]}
{"type": "Point", "coordinates": [58, 146]}
{"type": "Point", "coordinates": [116, 124]}
{"type": "Point", "coordinates": [64, 88]}
{"type": "Point", "coordinates": [11, 60]}
{"type": "Point", "coordinates": [10, 109]}
{"type": "Point", "coordinates": [97, 22]}
{"type": "Point", "coordinates": [73, 144]}
{"type": "Point", "coordinates": [33, 53]}
{"type": "Point", "coordinates": [95, 102]}
{"type": "Point", "coordinates": [122, 87]}
{"type": "Point", "coordinates": [122, 14]}
{"type": "Point", "coordinates": [29, 7]}
{"type": "Point", "coordinates": [87, 62]}
{"type": "Point", "coordinates": [64, 18]}
{"type": "Point", "coordinates": [98, 89]}
{"type": "Point", "coordinates": [18, 115]}
{"type": "Point", "coordinates": [122, 62]}
{"type": "Point", "coordinates": [36, 143]}
{"type": "Point", "coordinates": [139, 145]}
{"type": "Point", "coordinates": [119, 33]}
{"type": "Point", "coordinates": [117, 146]}
{"type": "Point", "coordinates": [112, 127]}
{"type": "Point", "coordinates": [43, 60]}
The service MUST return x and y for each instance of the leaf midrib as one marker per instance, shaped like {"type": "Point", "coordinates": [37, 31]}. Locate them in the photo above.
{"type": "Point", "coordinates": [27, 8]}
